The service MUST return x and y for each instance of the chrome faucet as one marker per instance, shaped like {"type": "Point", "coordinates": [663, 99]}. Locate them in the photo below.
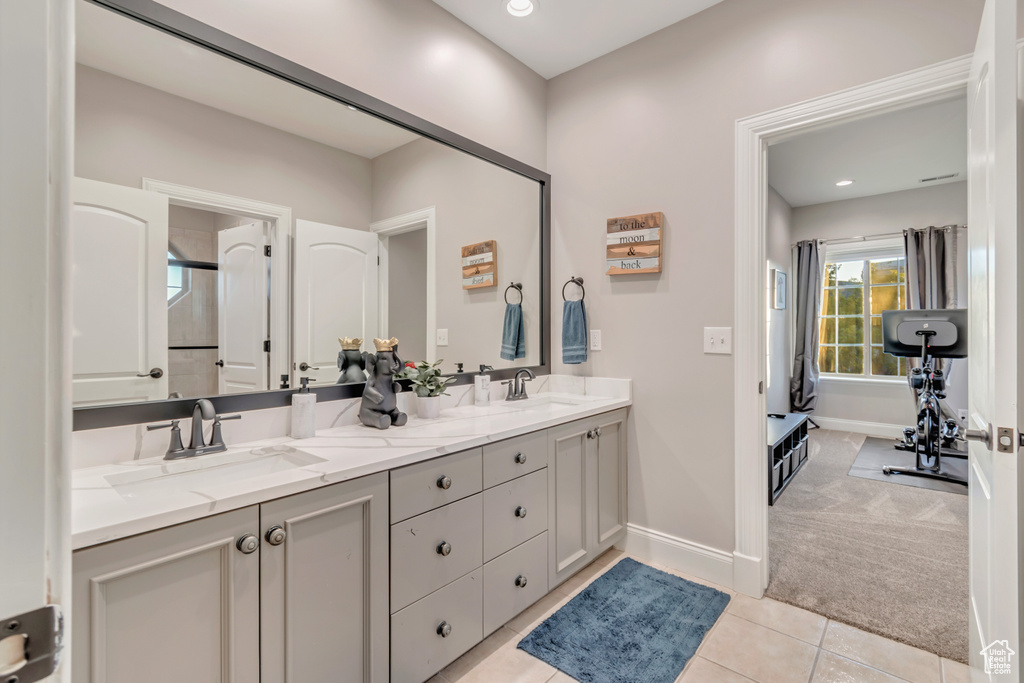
{"type": "Point", "coordinates": [517, 386]}
{"type": "Point", "coordinates": [203, 410]}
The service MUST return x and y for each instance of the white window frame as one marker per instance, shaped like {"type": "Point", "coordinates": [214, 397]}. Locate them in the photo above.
{"type": "Point", "coordinates": [864, 250]}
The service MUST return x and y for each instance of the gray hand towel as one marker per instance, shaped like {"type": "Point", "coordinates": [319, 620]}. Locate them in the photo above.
{"type": "Point", "coordinates": [574, 332]}
{"type": "Point", "coordinates": [513, 340]}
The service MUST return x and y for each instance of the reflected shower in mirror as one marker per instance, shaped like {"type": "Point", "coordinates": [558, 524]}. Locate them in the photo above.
{"type": "Point", "coordinates": [233, 229]}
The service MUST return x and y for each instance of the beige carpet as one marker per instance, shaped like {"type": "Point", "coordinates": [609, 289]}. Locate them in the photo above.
{"type": "Point", "coordinates": [885, 558]}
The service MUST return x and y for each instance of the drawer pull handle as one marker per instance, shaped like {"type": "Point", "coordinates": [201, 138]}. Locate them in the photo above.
{"type": "Point", "coordinates": [248, 543]}
{"type": "Point", "coordinates": [444, 482]}
{"type": "Point", "coordinates": [444, 629]}
{"type": "Point", "coordinates": [444, 548]}
{"type": "Point", "coordinates": [520, 512]}
{"type": "Point", "coordinates": [521, 581]}
{"type": "Point", "coordinates": [275, 535]}
{"type": "Point", "coordinates": [520, 458]}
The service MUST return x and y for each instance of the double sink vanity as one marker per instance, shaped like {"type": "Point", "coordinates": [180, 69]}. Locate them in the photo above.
{"type": "Point", "coordinates": [356, 555]}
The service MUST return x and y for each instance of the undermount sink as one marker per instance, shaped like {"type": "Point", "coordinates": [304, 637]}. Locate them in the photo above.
{"type": "Point", "coordinates": [548, 401]}
{"type": "Point", "coordinates": [207, 471]}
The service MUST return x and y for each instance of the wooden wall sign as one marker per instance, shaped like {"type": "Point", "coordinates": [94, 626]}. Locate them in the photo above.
{"type": "Point", "coordinates": [480, 265]}
{"type": "Point", "coordinates": [634, 244]}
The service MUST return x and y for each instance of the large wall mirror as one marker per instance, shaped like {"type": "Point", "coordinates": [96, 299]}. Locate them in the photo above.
{"type": "Point", "coordinates": [235, 230]}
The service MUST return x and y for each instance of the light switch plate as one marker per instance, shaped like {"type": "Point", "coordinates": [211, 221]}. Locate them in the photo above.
{"type": "Point", "coordinates": [718, 340]}
{"type": "Point", "coordinates": [442, 337]}
{"type": "Point", "coordinates": [595, 340]}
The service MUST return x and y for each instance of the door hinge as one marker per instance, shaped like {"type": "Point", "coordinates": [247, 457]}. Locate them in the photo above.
{"type": "Point", "coordinates": [760, 387]}
{"type": "Point", "coordinates": [266, 346]}
{"type": "Point", "coordinates": [266, 250]}
{"type": "Point", "coordinates": [378, 260]}
{"type": "Point", "coordinates": [42, 640]}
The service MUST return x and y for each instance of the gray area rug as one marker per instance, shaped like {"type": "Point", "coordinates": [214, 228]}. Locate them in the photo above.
{"type": "Point", "coordinates": [877, 452]}
{"type": "Point", "coordinates": [887, 559]}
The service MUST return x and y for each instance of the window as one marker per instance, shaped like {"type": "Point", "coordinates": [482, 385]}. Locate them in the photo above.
{"type": "Point", "coordinates": [857, 288]}
{"type": "Point", "coordinates": [179, 280]}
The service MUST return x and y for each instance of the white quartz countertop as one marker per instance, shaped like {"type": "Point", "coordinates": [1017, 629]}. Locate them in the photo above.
{"type": "Point", "coordinates": [114, 501]}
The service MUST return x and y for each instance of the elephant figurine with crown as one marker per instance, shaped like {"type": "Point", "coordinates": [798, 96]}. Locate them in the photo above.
{"type": "Point", "coordinates": [379, 408]}
{"type": "Point", "coordinates": [350, 361]}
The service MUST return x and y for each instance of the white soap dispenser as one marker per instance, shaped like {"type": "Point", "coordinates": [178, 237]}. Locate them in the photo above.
{"type": "Point", "coordinates": [304, 411]}
{"type": "Point", "coordinates": [482, 386]}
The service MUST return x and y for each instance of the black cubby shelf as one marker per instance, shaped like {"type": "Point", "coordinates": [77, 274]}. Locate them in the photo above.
{"type": "Point", "coordinates": [787, 451]}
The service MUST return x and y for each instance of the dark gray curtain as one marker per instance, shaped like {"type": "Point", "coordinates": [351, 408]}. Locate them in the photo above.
{"type": "Point", "coordinates": [931, 274]}
{"type": "Point", "coordinates": [803, 387]}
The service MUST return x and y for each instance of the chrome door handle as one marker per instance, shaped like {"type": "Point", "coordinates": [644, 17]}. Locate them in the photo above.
{"type": "Point", "coordinates": [155, 373]}
{"type": "Point", "coordinates": [248, 544]}
{"type": "Point", "coordinates": [275, 535]}
{"type": "Point", "coordinates": [983, 435]}
{"type": "Point", "coordinates": [219, 363]}
{"type": "Point", "coordinates": [303, 366]}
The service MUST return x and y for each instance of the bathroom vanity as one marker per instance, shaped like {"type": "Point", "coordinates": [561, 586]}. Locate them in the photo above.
{"type": "Point", "coordinates": [351, 556]}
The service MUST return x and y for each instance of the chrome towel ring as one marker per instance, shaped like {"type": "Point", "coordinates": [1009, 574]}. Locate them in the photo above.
{"type": "Point", "coordinates": [578, 281]}
{"type": "Point", "coordinates": [514, 285]}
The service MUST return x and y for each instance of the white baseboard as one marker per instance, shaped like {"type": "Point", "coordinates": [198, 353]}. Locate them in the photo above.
{"type": "Point", "coordinates": [703, 562]}
{"type": "Point", "coordinates": [857, 427]}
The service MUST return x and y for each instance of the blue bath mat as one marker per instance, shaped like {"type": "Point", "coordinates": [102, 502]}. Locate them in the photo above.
{"type": "Point", "coordinates": [633, 624]}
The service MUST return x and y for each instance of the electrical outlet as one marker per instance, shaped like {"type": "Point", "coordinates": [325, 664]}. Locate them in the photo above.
{"type": "Point", "coordinates": [442, 337]}
{"type": "Point", "coordinates": [595, 340]}
{"type": "Point", "coordinates": [718, 340]}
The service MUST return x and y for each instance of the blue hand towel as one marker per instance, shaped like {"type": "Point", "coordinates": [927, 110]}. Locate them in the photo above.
{"type": "Point", "coordinates": [574, 332]}
{"type": "Point", "coordinates": [513, 340]}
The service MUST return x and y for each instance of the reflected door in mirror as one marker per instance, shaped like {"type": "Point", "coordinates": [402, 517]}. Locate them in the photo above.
{"type": "Point", "coordinates": [335, 295]}
{"type": "Point", "coordinates": [242, 308]}
{"type": "Point", "coordinates": [119, 294]}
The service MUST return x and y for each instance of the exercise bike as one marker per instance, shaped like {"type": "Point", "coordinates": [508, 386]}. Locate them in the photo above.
{"type": "Point", "coordinates": [933, 334]}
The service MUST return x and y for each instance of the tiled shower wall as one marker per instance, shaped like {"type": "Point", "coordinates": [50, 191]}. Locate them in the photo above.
{"type": "Point", "coordinates": [192, 319]}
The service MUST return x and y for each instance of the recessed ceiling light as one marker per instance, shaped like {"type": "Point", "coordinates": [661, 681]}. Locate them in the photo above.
{"type": "Point", "coordinates": [844, 183]}
{"type": "Point", "coordinates": [519, 8]}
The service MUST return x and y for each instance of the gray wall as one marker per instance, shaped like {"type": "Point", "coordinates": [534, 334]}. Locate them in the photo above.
{"type": "Point", "coordinates": [779, 252]}
{"type": "Point", "coordinates": [126, 131]}
{"type": "Point", "coordinates": [884, 402]}
{"type": "Point", "coordinates": [475, 201]}
{"type": "Point", "coordinates": [651, 127]}
{"type": "Point", "coordinates": [407, 280]}
{"type": "Point", "coordinates": [410, 53]}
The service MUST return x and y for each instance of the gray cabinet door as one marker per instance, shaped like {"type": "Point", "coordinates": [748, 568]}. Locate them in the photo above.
{"type": "Point", "coordinates": [324, 589]}
{"type": "Point", "coordinates": [568, 469]}
{"type": "Point", "coordinates": [610, 484]}
{"type": "Point", "coordinates": [179, 604]}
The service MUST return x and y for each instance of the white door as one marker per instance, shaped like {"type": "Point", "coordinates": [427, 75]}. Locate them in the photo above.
{"type": "Point", "coordinates": [992, 240]}
{"type": "Point", "coordinates": [242, 308]}
{"type": "Point", "coordinates": [118, 294]}
{"type": "Point", "coordinates": [335, 290]}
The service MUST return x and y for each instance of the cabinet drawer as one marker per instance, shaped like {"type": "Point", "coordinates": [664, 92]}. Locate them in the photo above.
{"type": "Point", "coordinates": [418, 651]}
{"type": "Point", "coordinates": [514, 512]}
{"type": "Point", "coordinates": [514, 581]}
{"type": "Point", "coordinates": [420, 487]}
{"type": "Point", "coordinates": [513, 458]}
{"type": "Point", "coordinates": [418, 566]}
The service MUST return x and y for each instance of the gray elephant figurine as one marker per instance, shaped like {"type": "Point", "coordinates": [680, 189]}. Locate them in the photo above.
{"type": "Point", "coordinates": [350, 361]}
{"type": "Point", "coordinates": [379, 408]}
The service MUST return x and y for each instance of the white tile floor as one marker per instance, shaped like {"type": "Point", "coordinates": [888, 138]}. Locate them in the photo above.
{"type": "Point", "coordinates": [760, 641]}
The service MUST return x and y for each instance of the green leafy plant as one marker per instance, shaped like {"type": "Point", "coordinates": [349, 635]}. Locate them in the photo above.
{"type": "Point", "coordinates": [426, 378]}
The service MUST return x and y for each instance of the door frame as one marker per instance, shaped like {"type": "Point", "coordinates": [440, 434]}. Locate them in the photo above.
{"type": "Point", "coordinates": [753, 136]}
{"type": "Point", "coordinates": [407, 222]}
{"type": "Point", "coordinates": [279, 218]}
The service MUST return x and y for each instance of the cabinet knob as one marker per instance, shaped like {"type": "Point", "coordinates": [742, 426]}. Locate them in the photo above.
{"type": "Point", "coordinates": [520, 458]}
{"type": "Point", "coordinates": [444, 482]}
{"type": "Point", "coordinates": [521, 581]}
{"type": "Point", "coordinates": [444, 629]}
{"type": "Point", "coordinates": [444, 548]}
{"type": "Point", "coordinates": [248, 543]}
{"type": "Point", "coordinates": [597, 432]}
{"type": "Point", "coordinates": [521, 511]}
{"type": "Point", "coordinates": [275, 535]}
{"type": "Point", "coordinates": [590, 433]}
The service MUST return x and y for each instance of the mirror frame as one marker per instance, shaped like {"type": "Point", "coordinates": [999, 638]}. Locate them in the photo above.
{"type": "Point", "coordinates": [186, 28]}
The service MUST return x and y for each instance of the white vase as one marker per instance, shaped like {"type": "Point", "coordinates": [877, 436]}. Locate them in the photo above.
{"type": "Point", "coordinates": [428, 407]}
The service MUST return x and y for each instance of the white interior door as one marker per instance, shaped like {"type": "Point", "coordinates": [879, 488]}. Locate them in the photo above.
{"type": "Point", "coordinates": [119, 294]}
{"type": "Point", "coordinates": [992, 389]}
{"type": "Point", "coordinates": [242, 308]}
{"type": "Point", "coordinates": [335, 290]}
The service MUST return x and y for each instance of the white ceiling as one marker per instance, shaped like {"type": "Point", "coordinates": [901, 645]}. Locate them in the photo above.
{"type": "Point", "coordinates": [562, 34]}
{"type": "Point", "coordinates": [885, 153]}
{"type": "Point", "coordinates": [131, 50]}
